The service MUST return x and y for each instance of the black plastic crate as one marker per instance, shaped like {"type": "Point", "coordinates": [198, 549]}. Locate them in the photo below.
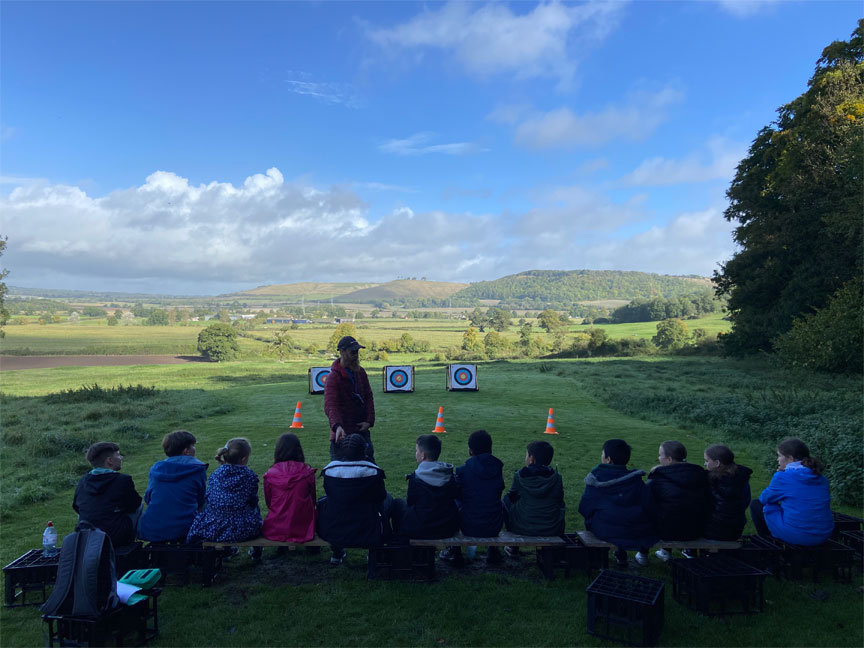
{"type": "Point", "coordinates": [855, 541]}
{"type": "Point", "coordinates": [401, 562]}
{"type": "Point", "coordinates": [843, 522]}
{"type": "Point", "coordinates": [830, 556]}
{"type": "Point", "coordinates": [574, 555]}
{"type": "Point", "coordinates": [625, 608]}
{"type": "Point", "coordinates": [181, 559]}
{"type": "Point", "coordinates": [717, 585]}
{"type": "Point", "coordinates": [758, 552]}
{"type": "Point", "coordinates": [109, 628]}
{"type": "Point", "coordinates": [29, 573]}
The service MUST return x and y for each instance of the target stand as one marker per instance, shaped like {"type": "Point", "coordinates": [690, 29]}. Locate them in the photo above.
{"type": "Point", "coordinates": [317, 378]}
{"type": "Point", "coordinates": [398, 379]}
{"type": "Point", "coordinates": [462, 377]}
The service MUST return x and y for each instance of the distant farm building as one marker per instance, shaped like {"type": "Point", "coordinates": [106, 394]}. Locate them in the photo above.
{"type": "Point", "coordinates": [286, 320]}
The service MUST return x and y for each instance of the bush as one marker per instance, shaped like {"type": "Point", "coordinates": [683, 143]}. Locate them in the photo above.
{"type": "Point", "coordinates": [218, 342]}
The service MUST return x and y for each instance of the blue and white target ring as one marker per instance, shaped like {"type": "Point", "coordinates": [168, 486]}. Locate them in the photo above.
{"type": "Point", "coordinates": [321, 378]}
{"type": "Point", "coordinates": [399, 378]}
{"type": "Point", "coordinates": [463, 376]}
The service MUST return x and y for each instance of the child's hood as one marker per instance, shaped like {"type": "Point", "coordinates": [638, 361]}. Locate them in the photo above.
{"type": "Point", "coordinates": [177, 468]}
{"type": "Point", "coordinates": [485, 466]}
{"type": "Point", "coordinates": [538, 480]}
{"type": "Point", "coordinates": [434, 473]}
{"type": "Point", "coordinates": [351, 469]}
{"type": "Point", "coordinates": [234, 476]}
{"type": "Point", "coordinates": [611, 476]}
{"type": "Point", "coordinates": [287, 472]}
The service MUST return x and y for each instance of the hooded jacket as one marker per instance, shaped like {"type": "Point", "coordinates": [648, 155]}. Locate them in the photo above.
{"type": "Point", "coordinates": [682, 498]}
{"type": "Point", "coordinates": [348, 516]}
{"type": "Point", "coordinates": [105, 500]}
{"type": "Point", "coordinates": [431, 504]}
{"type": "Point", "coordinates": [175, 492]}
{"type": "Point", "coordinates": [797, 506]}
{"type": "Point", "coordinates": [536, 502]}
{"type": "Point", "coordinates": [480, 482]}
{"type": "Point", "coordinates": [289, 490]}
{"type": "Point", "coordinates": [231, 512]}
{"type": "Point", "coordinates": [731, 497]}
{"type": "Point", "coordinates": [618, 507]}
{"type": "Point", "coordinates": [347, 402]}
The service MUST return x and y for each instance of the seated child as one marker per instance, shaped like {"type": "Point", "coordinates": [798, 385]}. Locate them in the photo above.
{"type": "Point", "coordinates": [289, 490]}
{"type": "Point", "coordinates": [356, 507]}
{"type": "Point", "coordinates": [230, 512]}
{"type": "Point", "coordinates": [681, 496]}
{"type": "Point", "coordinates": [730, 492]}
{"type": "Point", "coordinates": [617, 505]}
{"type": "Point", "coordinates": [175, 490]}
{"type": "Point", "coordinates": [796, 506]}
{"type": "Point", "coordinates": [481, 482]}
{"type": "Point", "coordinates": [534, 506]}
{"type": "Point", "coordinates": [430, 510]}
{"type": "Point", "coordinates": [106, 498]}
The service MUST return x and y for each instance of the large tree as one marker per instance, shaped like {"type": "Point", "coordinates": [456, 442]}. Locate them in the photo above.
{"type": "Point", "coordinates": [797, 198]}
{"type": "Point", "coordinates": [4, 314]}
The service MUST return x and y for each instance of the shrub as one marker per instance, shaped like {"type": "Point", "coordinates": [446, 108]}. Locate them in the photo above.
{"type": "Point", "coordinates": [218, 342]}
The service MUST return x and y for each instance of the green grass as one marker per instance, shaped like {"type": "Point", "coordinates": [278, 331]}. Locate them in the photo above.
{"type": "Point", "coordinates": [298, 599]}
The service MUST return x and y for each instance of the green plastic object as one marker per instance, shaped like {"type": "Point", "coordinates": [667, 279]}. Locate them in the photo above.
{"type": "Point", "coordinates": [143, 578]}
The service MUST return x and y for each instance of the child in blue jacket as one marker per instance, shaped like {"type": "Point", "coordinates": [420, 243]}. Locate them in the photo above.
{"type": "Point", "coordinates": [617, 505]}
{"type": "Point", "coordinates": [796, 506]}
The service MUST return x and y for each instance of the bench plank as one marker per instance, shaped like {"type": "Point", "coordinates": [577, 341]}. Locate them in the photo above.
{"type": "Point", "coordinates": [264, 542]}
{"type": "Point", "coordinates": [505, 538]}
{"type": "Point", "coordinates": [590, 540]}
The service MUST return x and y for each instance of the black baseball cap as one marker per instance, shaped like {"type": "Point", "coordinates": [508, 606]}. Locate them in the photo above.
{"type": "Point", "coordinates": [348, 343]}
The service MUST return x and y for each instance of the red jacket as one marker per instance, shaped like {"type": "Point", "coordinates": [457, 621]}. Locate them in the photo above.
{"type": "Point", "coordinates": [289, 490]}
{"type": "Point", "coordinates": [340, 404]}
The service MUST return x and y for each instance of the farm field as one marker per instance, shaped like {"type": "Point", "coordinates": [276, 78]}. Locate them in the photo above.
{"type": "Point", "coordinates": [44, 434]}
{"type": "Point", "coordinates": [93, 337]}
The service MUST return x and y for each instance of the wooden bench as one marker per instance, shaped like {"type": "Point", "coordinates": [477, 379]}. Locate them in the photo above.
{"type": "Point", "coordinates": [503, 539]}
{"type": "Point", "coordinates": [700, 544]}
{"type": "Point", "coordinates": [264, 542]}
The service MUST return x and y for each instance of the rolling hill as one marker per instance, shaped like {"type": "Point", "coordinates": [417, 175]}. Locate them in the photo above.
{"type": "Point", "coordinates": [309, 290]}
{"type": "Point", "coordinates": [403, 289]}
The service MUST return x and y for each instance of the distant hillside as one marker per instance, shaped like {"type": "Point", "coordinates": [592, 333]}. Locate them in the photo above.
{"type": "Point", "coordinates": [536, 287]}
{"type": "Point", "coordinates": [402, 289]}
{"type": "Point", "coordinates": [310, 290]}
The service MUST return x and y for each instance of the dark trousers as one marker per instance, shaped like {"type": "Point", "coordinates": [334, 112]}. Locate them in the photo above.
{"type": "Point", "coordinates": [384, 508]}
{"type": "Point", "coordinates": [758, 517]}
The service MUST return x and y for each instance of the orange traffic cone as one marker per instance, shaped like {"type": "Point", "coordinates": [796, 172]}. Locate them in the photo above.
{"type": "Point", "coordinates": [550, 424]}
{"type": "Point", "coordinates": [439, 423]}
{"type": "Point", "coordinates": [298, 417]}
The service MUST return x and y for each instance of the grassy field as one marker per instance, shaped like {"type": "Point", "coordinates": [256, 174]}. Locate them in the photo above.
{"type": "Point", "coordinates": [299, 599]}
{"type": "Point", "coordinates": [93, 337]}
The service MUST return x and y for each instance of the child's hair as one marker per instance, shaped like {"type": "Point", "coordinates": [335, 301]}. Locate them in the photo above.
{"type": "Point", "coordinates": [174, 443]}
{"type": "Point", "coordinates": [675, 450]}
{"type": "Point", "coordinates": [234, 452]}
{"type": "Point", "coordinates": [431, 445]}
{"type": "Point", "coordinates": [542, 452]}
{"type": "Point", "coordinates": [480, 442]}
{"type": "Point", "coordinates": [353, 448]}
{"type": "Point", "coordinates": [799, 451]}
{"type": "Point", "coordinates": [617, 451]}
{"type": "Point", "coordinates": [99, 452]}
{"type": "Point", "coordinates": [721, 453]}
{"type": "Point", "coordinates": [288, 449]}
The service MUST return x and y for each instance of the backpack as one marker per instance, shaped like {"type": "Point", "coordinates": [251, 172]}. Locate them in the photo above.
{"type": "Point", "coordinates": [86, 584]}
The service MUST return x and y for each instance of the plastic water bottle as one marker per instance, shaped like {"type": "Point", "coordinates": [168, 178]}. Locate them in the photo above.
{"type": "Point", "coordinates": [49, 540]}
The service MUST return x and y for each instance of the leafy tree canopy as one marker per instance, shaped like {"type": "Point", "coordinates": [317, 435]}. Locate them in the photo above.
{"type": "Point", "coordinates": [218, 342]}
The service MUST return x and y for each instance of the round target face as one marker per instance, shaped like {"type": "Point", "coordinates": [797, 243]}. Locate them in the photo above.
{"type": "Point", "coordinates": [399, 378]}
{"type": "Point", "coordinates": [463, 376]}
{"type": "Point", "coordinates": [321, 378]}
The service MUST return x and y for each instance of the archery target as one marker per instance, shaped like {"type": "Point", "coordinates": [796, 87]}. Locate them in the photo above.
{"type": "Point", "coordinates": [462, 377]}
{"type": "Point", "coordinates": [317, 378]}
{"type": "Point", "coordinates": [399, 379]}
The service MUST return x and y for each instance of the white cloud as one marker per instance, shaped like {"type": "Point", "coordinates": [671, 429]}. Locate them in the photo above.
{"type": "Point", "coordinates": [491, 39]}
{"type": "Point", "coordinates": [718, 162]}
{"type": "Point", "coordinates": [745, 8]}
{"type": "Point", "coordinates": [634, 119]}
{"type": "Point", "coordinates": [169, 236]}
{"type": "Point", "coordinates": [323, 91]}
{"type": "Point", "coordinates": [417, 144]}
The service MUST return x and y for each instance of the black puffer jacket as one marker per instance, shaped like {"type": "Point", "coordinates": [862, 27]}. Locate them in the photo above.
{"type": "Point", "coordinates": [683, 500]}
{"type": "Point", "coordinates": [431, 507]}
{"type": "Point", "coordinates": [349, 515]}
{"type": "Point", "coordinates": [731, 496]}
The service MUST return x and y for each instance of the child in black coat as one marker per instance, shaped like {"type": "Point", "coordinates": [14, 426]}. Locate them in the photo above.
{"type": "Point", "coordinates": [730, 492]}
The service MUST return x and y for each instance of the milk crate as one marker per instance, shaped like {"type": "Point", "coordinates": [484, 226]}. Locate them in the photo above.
{"type": "Point", "coordinates": [112, 627]}
{"type": "Point", "coordinates": [30, 573]}
{"type": "Point", "coordinates": [717, 585]}
{"type": "Point", "coordinates": [830, 556]}
{"type": "Point", "coordinates": [401, 562]}
{"type": "Point", "coordinates": [574, 555]}
{"type": "Point", "coordinates": [758, 552]}
{"type": "Point", "coordinates": [843, 522]}
{"type": "Point", "coordinates": [177, 558]}
{"type": "Point", "coordinates": [855, 541]}
{"type": "Point", "coordinates": [624, 608]}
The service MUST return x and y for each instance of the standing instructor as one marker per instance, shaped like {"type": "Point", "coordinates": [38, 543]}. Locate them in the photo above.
{"type": "Point", "coordinates": [348, 401]}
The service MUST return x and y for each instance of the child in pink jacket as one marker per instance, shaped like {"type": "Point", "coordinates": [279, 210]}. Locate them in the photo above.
{"type": "Point", "coordinates": [289, 491]}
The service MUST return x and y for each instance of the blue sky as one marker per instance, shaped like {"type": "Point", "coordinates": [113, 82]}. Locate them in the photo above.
{"type": "Point", "coordinates": [202, 147]}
